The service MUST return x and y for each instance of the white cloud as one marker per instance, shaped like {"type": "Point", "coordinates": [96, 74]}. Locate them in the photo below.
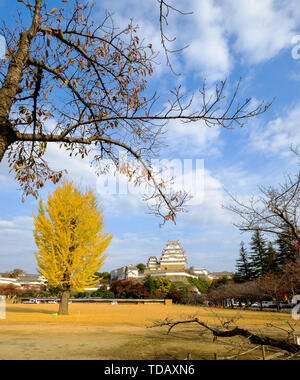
{"type": "Point", "coordinates": [206, 209]}
{"type": "Point", "coordinates": [6, 224]}
{"type": "Point", "coordinates": [197, 139]}
{"type": "Point", "coordinates": [17, 244]}
{"type": "Point", "coordinates": [261, 28]}
{"type": "Point", "coordinates": [193, 139]}
{"type": "Point", "coordinates": [236, 178]}
{"type": "Point", "coordinates": [80, 171]}
{"type": "Point", "coordinates": [278, 135]}
{"type": "Point", "coordinates": [132, 249]}
{"type": "Point", "coordinates": [257, 30]}
{"type": "Point", "coordinates": [208, 51]}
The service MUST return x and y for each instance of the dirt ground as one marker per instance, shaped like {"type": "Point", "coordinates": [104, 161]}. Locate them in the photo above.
{"type": "Point", "coordinates": [112, 332]}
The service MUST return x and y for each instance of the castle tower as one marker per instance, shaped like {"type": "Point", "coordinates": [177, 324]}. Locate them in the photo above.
{"type": "Point", "coordinates": [173, 257]}
{"type": "Point", "coordinates": [152, 263]}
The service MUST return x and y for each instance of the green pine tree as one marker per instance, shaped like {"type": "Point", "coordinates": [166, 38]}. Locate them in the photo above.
{"type": "Point", "coordinates": [243, 266]}
{"type": "Point", "coordinates": [285, 250]}
{"type": "Point", "coordinates": [271, 259]}
{"type": "Point", "coordinates": [258, 255]}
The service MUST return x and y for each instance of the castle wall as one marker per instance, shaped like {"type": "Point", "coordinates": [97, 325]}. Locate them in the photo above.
{"type": "Point", "coordinates": [172, 267]}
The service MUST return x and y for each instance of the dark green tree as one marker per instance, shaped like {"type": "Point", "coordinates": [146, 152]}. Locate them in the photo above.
{"type": "Point", "coordinates": [243, 266]}
{"type": "Point", "coordinates": [258, 255]}
{"type": "Point", "coordinates": [286, 251]}
{"type": "Point", "coordinates": [103, 292]}
{"type": "Point", "coordinates": [201, 285]}
{"type": "Point", "coordinates": [141, 267]}
{"type": "Point", "coordinates": [271, 259]}
{"type": "Point", "coordinates": [103, 275]}
{"type": "Point", "coordinates": [149, 283]}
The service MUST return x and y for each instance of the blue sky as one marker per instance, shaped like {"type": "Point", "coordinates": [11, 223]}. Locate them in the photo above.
{"type": "Point", "coordinates": [230, 39]}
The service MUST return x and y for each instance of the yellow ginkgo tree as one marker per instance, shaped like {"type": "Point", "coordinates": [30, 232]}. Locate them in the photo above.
{"type": "Point", "coordinates": [69, 240]}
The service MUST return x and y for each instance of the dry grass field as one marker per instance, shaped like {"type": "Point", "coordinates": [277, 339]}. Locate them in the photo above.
{"type": "Point", "coordinates": [120, 332]}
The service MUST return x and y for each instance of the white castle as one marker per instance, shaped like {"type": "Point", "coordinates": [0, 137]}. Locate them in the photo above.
{"type": "Point", "coordinates": [172, 264]}
{"type": "Point", "coordinates": [173, 258]}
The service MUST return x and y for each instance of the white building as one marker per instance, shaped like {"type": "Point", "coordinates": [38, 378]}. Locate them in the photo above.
{"type": "Point", "coordinates": [124, 273]}
{"type": "Point", "coordinates": [25, 280]}
{"type": "Point", "coordinates": [31, 280]}
{"type": "Point", "coordinates": [9, 281]}
{"type": "Point", "coordinates": [200, 272]}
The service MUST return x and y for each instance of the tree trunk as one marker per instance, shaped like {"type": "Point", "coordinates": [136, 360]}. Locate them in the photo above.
{"type": "Point", "coordinates": [13, 77]}
{"type": "Point", "coordinates": [64, 303]}
{"type": "Point", "coordinates": [278, 305]}
{"type": "Point", "coordinates": [7, 137]}
{"type": "Point", "coordinates": [3, 146]}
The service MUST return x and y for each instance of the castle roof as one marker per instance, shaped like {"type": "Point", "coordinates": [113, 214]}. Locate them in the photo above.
{"type": "Point", "coordinates": [173, 253]}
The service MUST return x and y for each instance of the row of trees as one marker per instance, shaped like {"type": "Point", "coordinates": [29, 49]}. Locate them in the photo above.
{"type": "Point", "coordinates": [265, 257]}
{"type": "Point", "coordinates": [265, 271]}
{"type": "Point", "coordinates": [277, 287]}
{"type": "Point", "coordinates": [159, 287]}
{"type": "Point", "coordinates": [12, 292]}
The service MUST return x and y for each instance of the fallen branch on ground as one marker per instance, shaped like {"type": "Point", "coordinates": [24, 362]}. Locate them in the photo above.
{"type": "Point", "coordinates": [229, 333]}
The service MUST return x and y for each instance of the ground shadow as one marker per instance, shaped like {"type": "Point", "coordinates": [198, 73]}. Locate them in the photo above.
{"type": "Point", "coordinates": [29, 310]}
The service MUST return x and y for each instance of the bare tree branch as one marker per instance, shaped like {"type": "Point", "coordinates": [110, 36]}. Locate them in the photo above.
{"type": "Point", "coordinates": [275, 211]}
{"type": "Point", "coordinates": [229, 333]}
{"type": "Point", "coordinates": [88, 84]}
